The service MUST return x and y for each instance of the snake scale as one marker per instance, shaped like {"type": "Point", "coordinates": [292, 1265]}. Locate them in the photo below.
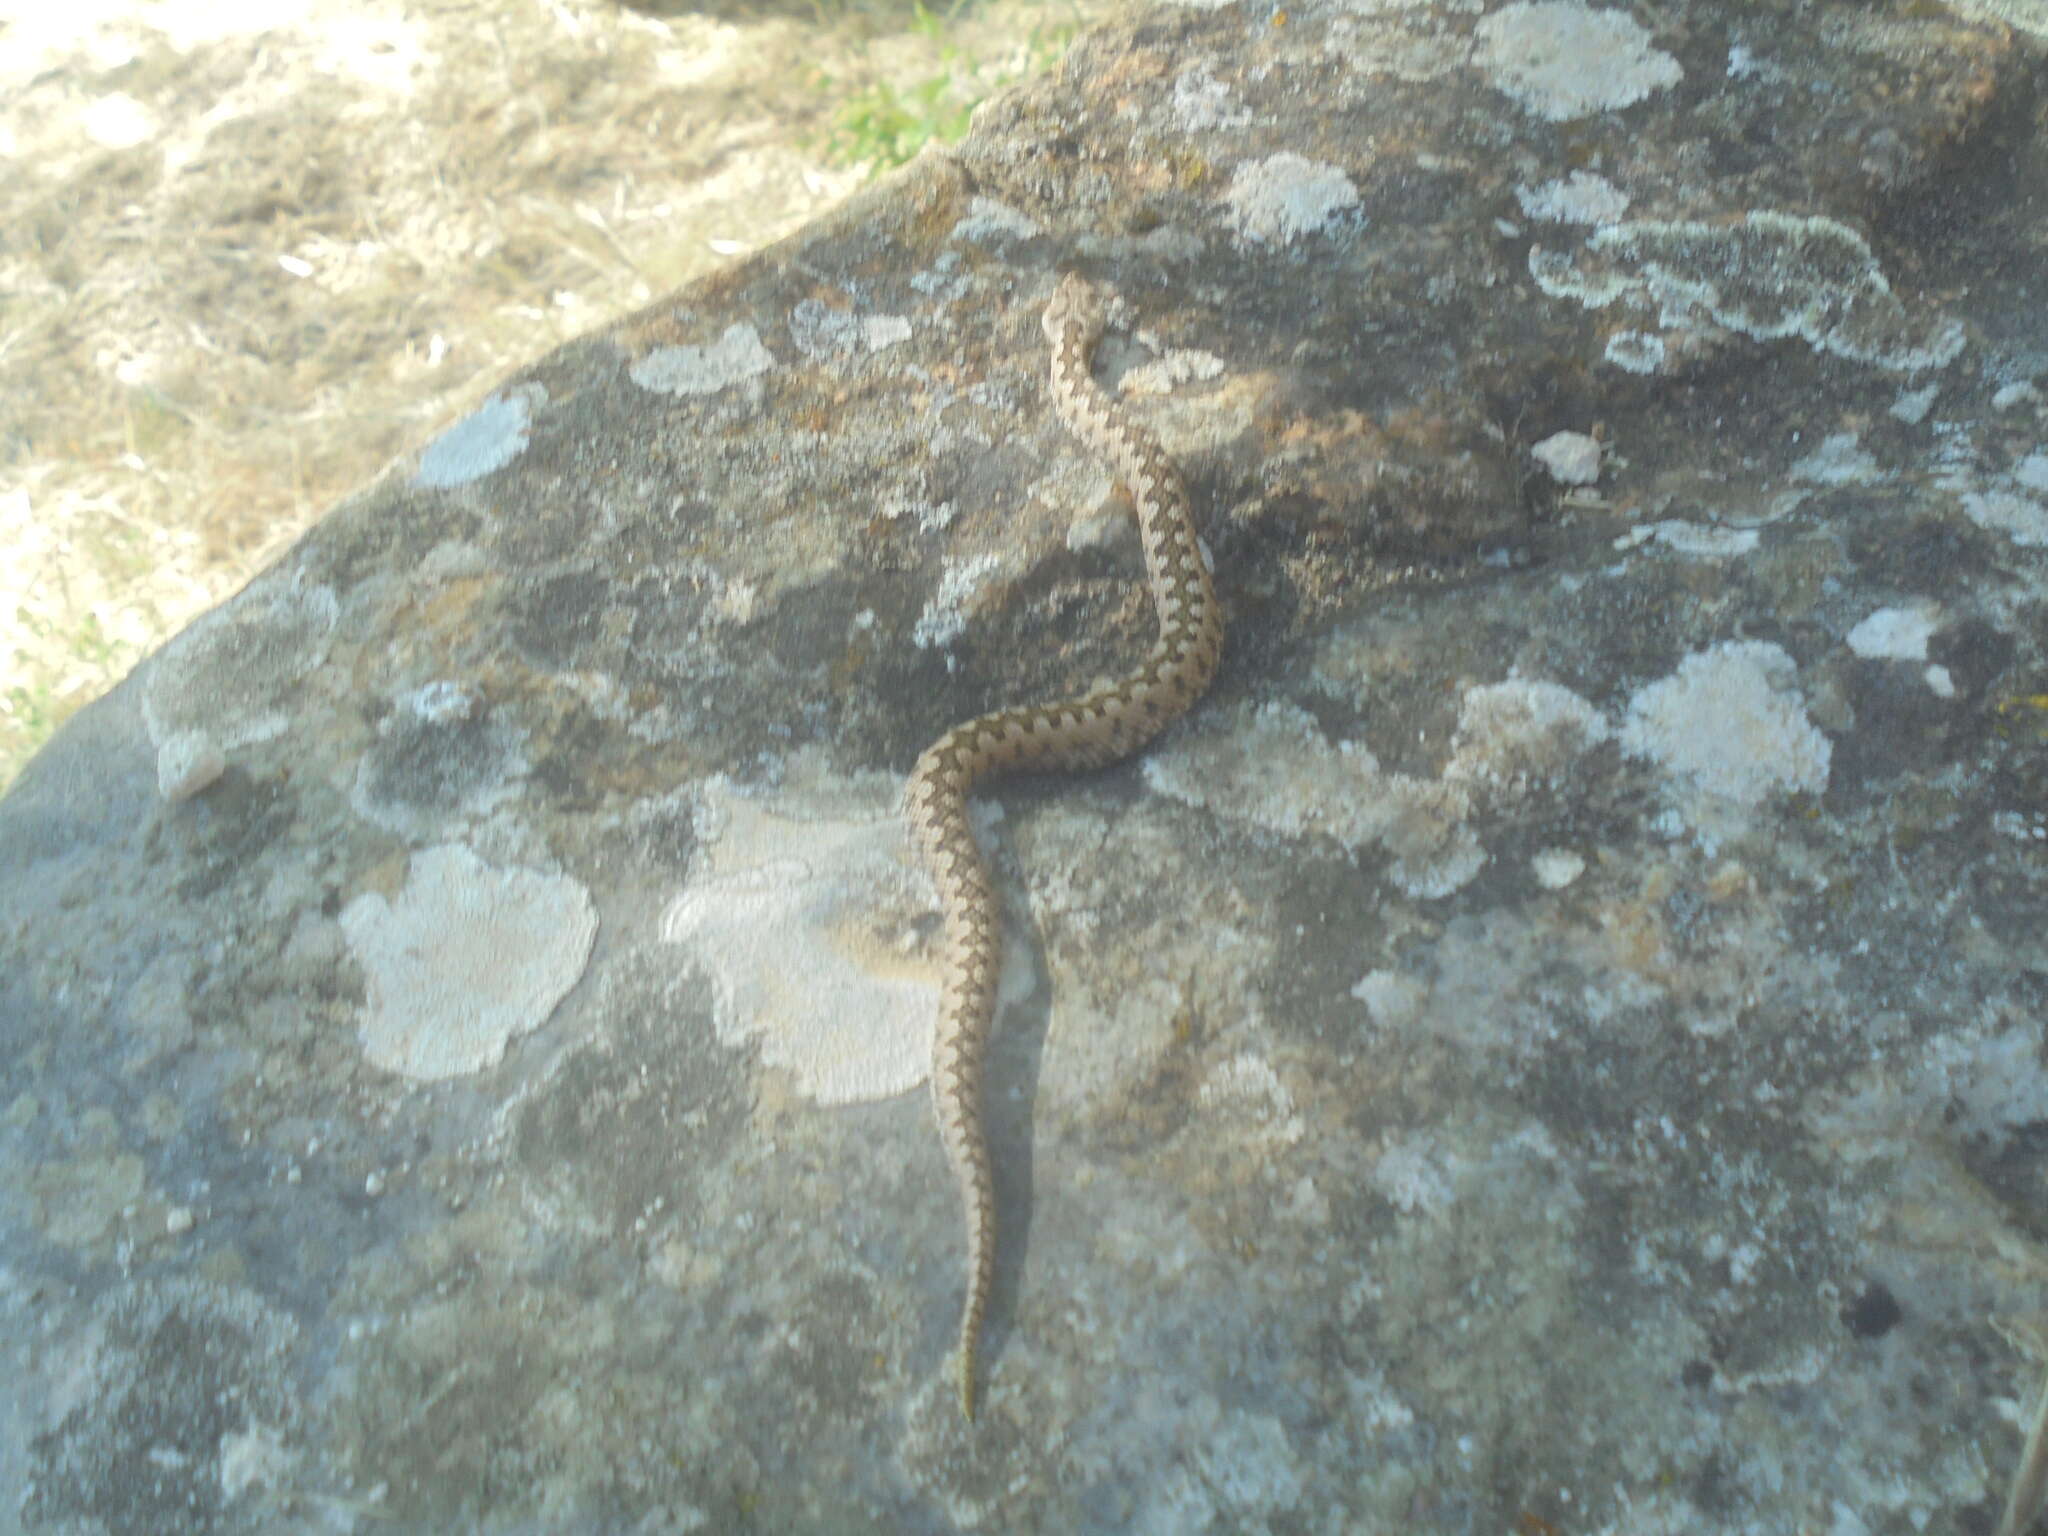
{"type": "Point", "coordinates": [1106, 723]}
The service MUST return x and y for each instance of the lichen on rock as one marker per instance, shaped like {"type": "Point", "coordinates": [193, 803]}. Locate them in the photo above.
{"type": "Point", "coordinates": [465, 958]}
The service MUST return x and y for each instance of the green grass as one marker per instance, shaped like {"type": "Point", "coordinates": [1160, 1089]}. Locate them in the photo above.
{"type": "Point", "coordinates": [31, 710]}
{"type": "Point", "coordinates": [886, 124]}
{"type": "Point", "coordinates": [29, 715]}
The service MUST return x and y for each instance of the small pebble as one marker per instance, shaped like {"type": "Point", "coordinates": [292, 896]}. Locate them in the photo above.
{"type": "Point", "coordinates": [1572, 458]}
{"type": "Point", "coordinates": [1556, 868]}
{"type": "Point", "coordinates": [186, 764]}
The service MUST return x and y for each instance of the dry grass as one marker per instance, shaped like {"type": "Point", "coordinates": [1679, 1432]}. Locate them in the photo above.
{"type": "Point", "coordinates": [246, 257]}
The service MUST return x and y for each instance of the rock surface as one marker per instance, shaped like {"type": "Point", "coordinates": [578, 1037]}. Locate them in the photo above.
{"type": "Point", "coordinates": [1553, 1044]}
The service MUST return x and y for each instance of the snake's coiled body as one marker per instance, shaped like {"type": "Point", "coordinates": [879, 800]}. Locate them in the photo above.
{"type": "Point", "coordinates": [1098, 727]}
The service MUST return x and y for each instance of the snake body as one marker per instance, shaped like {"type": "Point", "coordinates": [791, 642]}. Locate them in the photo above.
{"type": "Point", "coordinates": [1106, 723]}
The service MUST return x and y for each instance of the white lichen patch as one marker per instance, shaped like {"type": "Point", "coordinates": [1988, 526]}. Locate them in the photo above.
{"type": "Point", "coordinates": [1392, 1001]}
{"type": "Point", "coordinates": [1247, 1085]}
{"type": "Point", "coordinates": [1518, 736]}
{"type": "Point", "coordinates": [1580, 198]}
{"type": "Point", "coordinates": [1571, 458]}
{"type": "Point", "coordinates": [1913, 405]}
{"type": "Point", "coordinates": [1397, 7]}
{"type": "Point", "coordinates": [737, 355]}
{"type": "Point", "coordinates": [234, 675]}
{"type": "Point", "coordinates": [989, 221]}
{"type": "Point", "coordinates": [1556, 868]}
{"type": "Point", "coordinates": [466, 958]}
{"type": "Point", "coordinates": [1401, 39]}
{"type": "Point", "coordinates": [1171, 368]}
{"type": "Point", "coordinates": [1702, 541]}
{"type": "Point", "coordinates": [818, 330]}
{"type": "Point", "coordinates": [1766, 275]}
{"type": "Point", "coordinates": [1562, 60]}
{"type": "Point", "coordinates": [945, 612]}
{"type": "Point", "coordinates": [1841, 459]}
{"type": "Point", "coordinates": [1272, 768]}
{"type": "Point", "coordinates": [1285, 198]}
{"type": "Point", "coordinates": [803, 910]}
{"type": "Point", "coordinates": [1201, 102]}
{"type": "Point", "coordinates": [487, 439]}
{"type": "Point", "coordinates": [1635, 351]}
{"type": "Point", "coordinates": [2020, 518]}
{"type": "Point", "coordinates": [1418, 1175]}
{"type": "Point", "coordinates": [1982, 1079]}
{"type": "Point", "coordinates": [2010, 504]}
{"type": "Point", "coordinates": [1896, 634]}
{"type": "Point", "coordinates": [1731, 730]}
{"type": "Point", "coordinates": [255, 1456]}
{"type": "Point", "coordinates": [1435, 852]}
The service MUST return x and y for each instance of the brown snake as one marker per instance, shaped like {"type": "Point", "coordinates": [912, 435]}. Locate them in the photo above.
{"type": "Point", "coordinates": [1107, 722]}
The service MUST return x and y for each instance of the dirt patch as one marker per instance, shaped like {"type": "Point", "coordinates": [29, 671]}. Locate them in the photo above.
{"type": "Point", "coordinates": [250, 252]}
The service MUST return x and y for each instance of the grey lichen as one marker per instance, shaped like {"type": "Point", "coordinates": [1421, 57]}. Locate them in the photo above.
{"type": "Point", "coordinates": [463, 959]}
{"type": "Point", "coordinates": [1766, 275]}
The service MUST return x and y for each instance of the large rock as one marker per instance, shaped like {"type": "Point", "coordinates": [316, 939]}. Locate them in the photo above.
{"type": "Point", "coordinates": [1552, 1044]}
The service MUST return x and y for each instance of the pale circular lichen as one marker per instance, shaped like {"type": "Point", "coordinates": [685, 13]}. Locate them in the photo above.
{"type": "Point", "coordinates": [1730, 728]}
{"type": "Point", "coordinates": [467, 957]}
{"type": "Point", "coordinates": [1284, 198]}
{"type": "Point", "coordinates": [1562, 60]}
{"type": "Point", "coordinates": [802, 911]}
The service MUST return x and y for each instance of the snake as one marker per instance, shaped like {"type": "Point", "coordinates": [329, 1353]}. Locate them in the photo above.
{"type": "Point", "coordinates": [1092, 729]}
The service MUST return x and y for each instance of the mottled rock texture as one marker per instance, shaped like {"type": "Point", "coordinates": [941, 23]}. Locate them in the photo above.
{"type": "Point", "coordinates": [1552, 1044]}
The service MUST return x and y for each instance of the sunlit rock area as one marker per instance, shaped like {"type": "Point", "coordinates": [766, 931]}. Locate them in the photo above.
{"type": "Point", "coordinates": [1552, 1043]}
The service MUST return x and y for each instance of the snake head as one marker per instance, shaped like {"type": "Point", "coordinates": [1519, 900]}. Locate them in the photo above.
{"type": "Point", "coordinates": [1075, 302]}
